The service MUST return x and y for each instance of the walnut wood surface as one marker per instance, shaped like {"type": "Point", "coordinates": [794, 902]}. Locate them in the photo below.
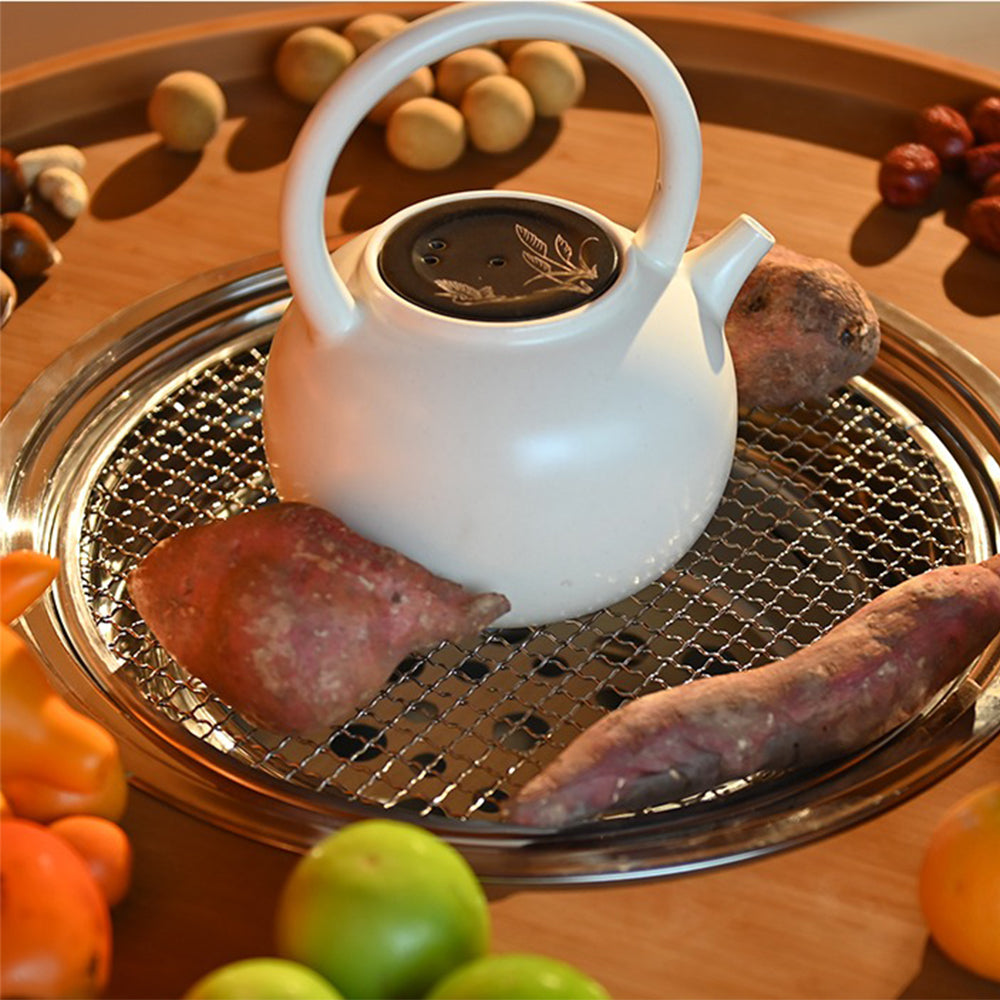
{"type": "Point", "coordinates": [795, 120]}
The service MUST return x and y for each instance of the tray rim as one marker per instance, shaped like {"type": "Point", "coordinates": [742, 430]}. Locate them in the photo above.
{"type": "Point", "coordinates": [528, 856]}
{"type": "Point", "coordinates": [233, 48]}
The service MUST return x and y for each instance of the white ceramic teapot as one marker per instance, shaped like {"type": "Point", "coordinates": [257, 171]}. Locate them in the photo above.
{"type": "Point", "coordinates": [512, 390]}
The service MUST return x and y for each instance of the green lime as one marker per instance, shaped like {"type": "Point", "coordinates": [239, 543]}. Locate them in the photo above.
{"type": "Point", "coordinates": [262, 979]}
{"type": "Point", "coordinates": [517, 976]}
{"type": "Point", "coordinates": [383, 909]}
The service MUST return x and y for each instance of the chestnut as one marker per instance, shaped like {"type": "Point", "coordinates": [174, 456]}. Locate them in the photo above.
{"type": "Point", "coordinates": [13, 186]}
{"type": "Point", "coordinates": [25, 248]}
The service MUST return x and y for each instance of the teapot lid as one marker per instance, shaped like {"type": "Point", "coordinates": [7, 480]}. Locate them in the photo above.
{"type": "Point", "coordinates": [499, 259]}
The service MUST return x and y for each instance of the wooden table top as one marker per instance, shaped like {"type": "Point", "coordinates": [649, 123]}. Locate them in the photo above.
{"type": "Point", "coordinates": [794, 122]}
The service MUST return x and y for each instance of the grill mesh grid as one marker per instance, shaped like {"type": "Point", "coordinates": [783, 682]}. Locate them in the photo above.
{"type": "Point", "coordinates": [826, 507]}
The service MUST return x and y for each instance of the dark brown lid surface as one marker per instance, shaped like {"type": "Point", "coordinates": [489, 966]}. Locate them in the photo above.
{"type": "Point", "coordinates": [499, 259]}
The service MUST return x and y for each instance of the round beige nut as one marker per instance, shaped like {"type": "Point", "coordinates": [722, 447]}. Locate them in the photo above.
{"type": "Point", "coordinates": [426, 134]}
{"type": "Point", "coordinates": [508, 46]}
{"type": "Point", "coordinates": [498, 113]}
{"type": "Point", "coordinates": [186, 109]}
{"type": "Point", "coordinates": [553, 74]}
{"type": "Point", "coordinates": [364, 31]}
{"type": "Point", "coordinates": [418, 84]}
{"type": "Point", "coordinates": [461, 69]}
{"type": "Point", "coordinates": [309, 60]}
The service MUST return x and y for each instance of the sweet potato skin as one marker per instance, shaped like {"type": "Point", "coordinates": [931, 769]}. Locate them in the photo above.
{"type": "Point", "coordinates": [292, 618]}
{"type": "Point", "coordinates": [799, 328]}
{"type": "Point", "coordinates": [866, 676]}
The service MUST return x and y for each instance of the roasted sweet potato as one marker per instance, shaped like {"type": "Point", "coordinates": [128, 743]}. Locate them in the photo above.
{"type": "Point", "coordinates": [292, 618]}
{"type": "Point", "coordinates": [866, 676]}
{"type": "Point", "coordinates": [800, 327]}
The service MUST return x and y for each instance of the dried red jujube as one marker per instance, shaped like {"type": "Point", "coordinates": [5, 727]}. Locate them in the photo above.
{"type": "Point", "coordinates": [946, 132]}
{"type": "Point", "coordinates": [984, 119]}
{"type": "Point", "coordinates": [908, 175]}
{"type": "Point", "coordinates": [982, 223]}
{"type": "Point", "coordinates": [982, 162]}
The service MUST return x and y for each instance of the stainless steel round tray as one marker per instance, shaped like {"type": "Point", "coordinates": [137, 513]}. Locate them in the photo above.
{"type": "Point", "coordinates": [152, 423]}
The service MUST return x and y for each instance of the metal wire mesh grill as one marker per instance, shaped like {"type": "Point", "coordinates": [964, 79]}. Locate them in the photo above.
{"type": "Point", "coordinates": [826, 507]}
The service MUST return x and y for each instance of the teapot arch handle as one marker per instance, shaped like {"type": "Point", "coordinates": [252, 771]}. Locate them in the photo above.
{"type": "Point", "coordinates": [320, 292]}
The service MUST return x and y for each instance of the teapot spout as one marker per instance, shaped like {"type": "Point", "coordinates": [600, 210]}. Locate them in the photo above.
{"type": "Point", "coordinates": [719, 267]}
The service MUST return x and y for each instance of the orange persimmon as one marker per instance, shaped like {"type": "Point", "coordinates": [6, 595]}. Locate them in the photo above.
{"type": "Point", "coordinates": [960, 882]}
{"type": "Point", "coordinates": [24, 576]}
{"type": "Point", "coordinates": [56, 938]}
{"type": "Point", "coordinates": [45, 803]}
{"type": "Point", "coordinates": [52, 758]}
{"type": "Point", "coordinates": [106, 849]}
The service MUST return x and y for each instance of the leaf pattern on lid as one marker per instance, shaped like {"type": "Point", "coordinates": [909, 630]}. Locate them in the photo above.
{"type": "Point", "coordinates": [563, 274]}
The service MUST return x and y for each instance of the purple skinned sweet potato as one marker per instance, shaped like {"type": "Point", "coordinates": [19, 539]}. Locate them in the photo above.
{"type": "Point", "coordinates": [866, 676]}
{"type": "Point", "coordinates": [799, 328]}
{"type": "Point", "coordinates": [291, 617]}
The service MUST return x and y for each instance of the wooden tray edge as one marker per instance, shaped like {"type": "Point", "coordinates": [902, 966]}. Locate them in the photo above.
{"type": "Point", "coordinates": [720, 37]}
